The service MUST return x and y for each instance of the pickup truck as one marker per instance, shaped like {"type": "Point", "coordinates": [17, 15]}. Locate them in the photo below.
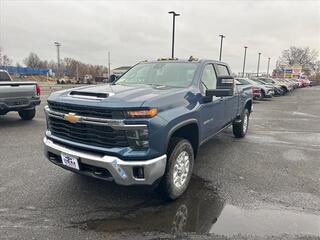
{"type": "Point", "coordinates": [18, 96]}
{"type": "Point", "coordinates": [147, 126]}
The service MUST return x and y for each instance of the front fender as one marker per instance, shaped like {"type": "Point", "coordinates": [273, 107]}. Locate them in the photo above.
{"type": "Point", "coordinates": [172, 128]}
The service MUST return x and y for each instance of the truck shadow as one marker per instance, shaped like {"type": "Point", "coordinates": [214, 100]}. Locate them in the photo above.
{"type": "Point", "coordinates": [13, 120]}
{"type": "Point", "coordinates": [196, 211]}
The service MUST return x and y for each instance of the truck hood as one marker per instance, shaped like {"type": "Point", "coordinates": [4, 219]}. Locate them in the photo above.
{"type": "Point", "coordinates": [113, 96]}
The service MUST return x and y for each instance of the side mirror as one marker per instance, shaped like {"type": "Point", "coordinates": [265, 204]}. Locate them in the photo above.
{"type": "Point", "coordinates": [225, 82]}
{"type": "Point", "coordinates": [219, 92]}
{"type": "Point", "coordinates": [225, 87]}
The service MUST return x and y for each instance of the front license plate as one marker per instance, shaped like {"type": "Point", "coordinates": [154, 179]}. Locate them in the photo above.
{"type": "Point", "coordinates": [70, 161]}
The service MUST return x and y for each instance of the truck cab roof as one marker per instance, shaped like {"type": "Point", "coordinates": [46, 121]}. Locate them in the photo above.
{"type": "Point", "coordinates": [191, 60]}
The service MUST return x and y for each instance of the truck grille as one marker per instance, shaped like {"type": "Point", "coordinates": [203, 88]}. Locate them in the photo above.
{"type": "Point", "coordinates": [85, 111]}
{"type": "Point", "coordinates": [95, 135]}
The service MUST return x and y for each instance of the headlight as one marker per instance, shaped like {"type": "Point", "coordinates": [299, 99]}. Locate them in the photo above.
{"type": "Point", "coordinates": [146, 113]}
{"type": "Point", "coordinates": [138, 138]}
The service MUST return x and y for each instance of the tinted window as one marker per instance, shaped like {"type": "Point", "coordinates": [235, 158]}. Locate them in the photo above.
{"type": "Point", "coordinates": [4, 76]}
{"type": "Point", "coordinates": [209, 79]}
{"type": "Point", "coordinates": [171, 74]}
{"type": "Point", "coordinates": [222, 70]}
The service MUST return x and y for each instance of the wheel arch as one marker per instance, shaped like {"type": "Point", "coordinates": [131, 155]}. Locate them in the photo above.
{"type": "Point", "coordinates": [248, 105]}
{"type": "Point", "coordinates": [189, 130]}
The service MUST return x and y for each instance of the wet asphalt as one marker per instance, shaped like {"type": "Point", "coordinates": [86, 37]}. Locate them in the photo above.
{"type": "Point", "coordinates": [265, 186]}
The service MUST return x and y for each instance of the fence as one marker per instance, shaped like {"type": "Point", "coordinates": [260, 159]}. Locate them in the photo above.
{"type": "Point", "coordinates": [25, 70]}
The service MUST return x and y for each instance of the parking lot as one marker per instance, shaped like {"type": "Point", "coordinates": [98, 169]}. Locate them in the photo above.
{"type": "Point", "coordinates": [265, 185]}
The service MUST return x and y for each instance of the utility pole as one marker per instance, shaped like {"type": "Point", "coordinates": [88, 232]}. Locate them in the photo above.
{"type": "Point", "coordinates": [57, 44]}
{"type": "Point", "coordinates": [268, 67]}
{"type": "Point", "coordinates": [244, 60]}
{"type": "Point", "coordinates": [258, 64]}
{"type": "Point", "coordinates": [174, 15]}
{"type": "Point", "coordinates": [222, 37]}
{"type": "Point", "coordinates": [109, 66]}
{"type": "Point", "coordinates": [77, 72]}
{"type": "Point", "coordinates": [0, 56]}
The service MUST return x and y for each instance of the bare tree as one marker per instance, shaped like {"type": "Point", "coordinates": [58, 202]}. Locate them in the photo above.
{"type": "Point", "coordinates": [32, 60]}
{"type": "Point", "coordinates": [71, 66]}
{"type": "Point", "coordinates": [6, 61]}
{"type": "Point", "coordinates": [305, 57]}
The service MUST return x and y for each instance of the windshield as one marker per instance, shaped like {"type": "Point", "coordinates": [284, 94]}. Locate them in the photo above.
{"type": "Point", "coordinates": [267, 80]}
{"type": "Point", "coordinates": [4, 77]}
{"type": "Point", "coordinates": [166, 74]}
{"type": "Point", "coordinates": [260, 81]}
{"type": "Point", "coordinates": [243, 81]}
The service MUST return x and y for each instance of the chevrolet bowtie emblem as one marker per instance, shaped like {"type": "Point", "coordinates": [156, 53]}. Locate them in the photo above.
{"type": "Point", "coordinates": [71, 117]}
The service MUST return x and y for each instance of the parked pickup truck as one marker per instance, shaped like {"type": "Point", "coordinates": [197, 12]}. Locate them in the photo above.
{"type": "Point", "coordinates": [18, 96]}
{"type": "Point", "coordinates": [146, 127]}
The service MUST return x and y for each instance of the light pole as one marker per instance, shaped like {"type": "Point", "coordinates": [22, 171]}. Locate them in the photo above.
{"type": "Point", "coordinates": [244, 60]}
{"type": "Point", "coordinates": [174, 15]}
{"type": "Point", "coordinates": [109, 66]}
{"type": "Point", "coordinates": [57, 44]}
{"type": "Point", "coordinates": [268, 67]}
{"type": "Point", "coordinates": [221, 41]}
{"type": "Point", "coordinates": [258, 64]}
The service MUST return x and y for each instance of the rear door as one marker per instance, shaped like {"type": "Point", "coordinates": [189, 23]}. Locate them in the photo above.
{"type": "Point", "coordinates": [231, 102]}
{"type": "Point", "coordinates": [211, 113]}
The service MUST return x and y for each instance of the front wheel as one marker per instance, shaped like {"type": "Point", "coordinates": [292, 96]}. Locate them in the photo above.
{"type": "Point", "coordinates": [27, 114]}
{"type": "Point", "coordinates": [179, 168]}
{"type": "Point", "coordinates": [240, 128]}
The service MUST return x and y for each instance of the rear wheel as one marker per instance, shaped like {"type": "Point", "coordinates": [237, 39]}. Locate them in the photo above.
{"type": "Point", "coordinates": [27, 114]}
{"type": "Point", "coordinates": [178, 170]}
{"type": "Point", "coordinates": [240, 128]}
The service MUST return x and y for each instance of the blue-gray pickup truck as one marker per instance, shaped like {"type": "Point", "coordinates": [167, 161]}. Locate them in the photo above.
{"type": "Point", "coordinates": [147, 126]}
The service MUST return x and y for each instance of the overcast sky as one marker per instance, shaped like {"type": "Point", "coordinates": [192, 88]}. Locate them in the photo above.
{"type": "Point", "coordinates": [139, 30]}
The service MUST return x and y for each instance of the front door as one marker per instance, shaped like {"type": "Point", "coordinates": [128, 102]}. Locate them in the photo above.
{"type": "Point", "coordinates": [230, 102]}
{"type": "Point", "coordinates": [211, 113]}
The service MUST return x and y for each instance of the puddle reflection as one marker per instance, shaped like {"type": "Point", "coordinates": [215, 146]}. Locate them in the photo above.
{"type": "Point", "coordinates": [196, 211]}
{"type": "Point", "coordinates": [202, 211]}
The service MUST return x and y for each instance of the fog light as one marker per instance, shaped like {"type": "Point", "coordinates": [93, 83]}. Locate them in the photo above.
{"type": "Point", "coordinates": [138, 172]}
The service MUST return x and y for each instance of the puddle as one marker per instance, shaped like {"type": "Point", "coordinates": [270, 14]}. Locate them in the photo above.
{"type": "Point", "coordinates": [234, 220]}
{"type": "Point", "coordinates": [202, 211]}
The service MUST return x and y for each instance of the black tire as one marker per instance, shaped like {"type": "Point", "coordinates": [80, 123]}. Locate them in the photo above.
{"type": "Point", "coordinates": [260, 97]}
{"type": "Point", "coordinates": [239, 131]}
{"type": "Point", "coordinates": [27, 114]}
{"type": "Point", "coordinates": [167, 186]}
{"type": "Point", "coordinates": [263, 95]}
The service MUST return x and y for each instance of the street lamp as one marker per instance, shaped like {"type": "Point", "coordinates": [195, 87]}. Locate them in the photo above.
{"type": "Point", "coordinates": [222, 37]}
{"type": "Point", "coordinates": [109, 66]}
{"type": "Point", "coordinates": [244, 60]}
{"type": "Point", "coordinates": [258, 64]}
{"type": "Point", "coordinates": [57, 44]}
{"type": "Point", "coordinates": [268, 67]}
{"type": "Point", "coordinates": [174, 15]}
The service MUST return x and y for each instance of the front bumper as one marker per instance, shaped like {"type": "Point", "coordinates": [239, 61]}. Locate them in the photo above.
{"type": "Point", "coordinates": [94, 165]}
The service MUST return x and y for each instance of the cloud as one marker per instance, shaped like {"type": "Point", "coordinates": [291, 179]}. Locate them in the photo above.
{"type": "Point", "coordinates": [138, 30]}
